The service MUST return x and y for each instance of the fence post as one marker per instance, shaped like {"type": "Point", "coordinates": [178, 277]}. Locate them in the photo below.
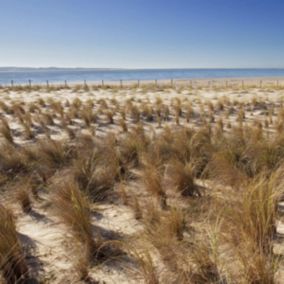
{"type": "Point", "coordinates": [121, 84]}
{"type": "Point", "coordinates": [172, 82]}
{"type": "Point", "coordinates": [260, 84]}
{"type": "Point", "coordinates": [65, 83]}
{"type": "Point", "coordinates": [47, 84]}
{"type": "Point", "coordinates": [103, 83]}
{"type": "Point", "coordinates": [243, 84]}
{"type": "Point", "coordinates": [30, 83]}
{"type": "Point", "coordinates": [226, 83]}
{"type": "Point", "coordinates": [12, 83]}
{"type": "Point", "coordinates": [277, 83]}
{"type": "Point", "coordinates": [85, 83]}
{"type": "Point", "coordinates": [156, 83]}
{"type": "Point", "coordinates": [138, 83]}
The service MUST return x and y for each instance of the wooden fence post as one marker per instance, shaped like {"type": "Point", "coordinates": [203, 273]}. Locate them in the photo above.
{"type": "Point", "coordinates": [121, 84]}
{"type": "Point", "coordinates": [30, 83]}
{"type": "Point", "coordinates": [172, 82]}
{"type": "Point", "coordinates": [260, 84]}
{"type": "Point", "coordinates": [65, 83]}
{"type": "Point", "coordinates": [12, 83]}
{"type": "Point", "coordinates": [103, 83]}
{"type": "Point", "coordinates": [47, 84]}
{"type": "Point", "coordinates": [138, 83]}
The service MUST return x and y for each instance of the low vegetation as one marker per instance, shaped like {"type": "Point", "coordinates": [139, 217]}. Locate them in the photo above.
{"type": "Point", "coordinates": [142, 187]}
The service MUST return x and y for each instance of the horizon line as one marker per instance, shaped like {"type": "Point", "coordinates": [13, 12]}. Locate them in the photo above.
{"type": "Point", "coordinates": [129, 68]}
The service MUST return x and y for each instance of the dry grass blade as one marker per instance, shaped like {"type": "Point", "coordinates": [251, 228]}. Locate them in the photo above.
{"type": "Point", "coordinates": [73, 209]}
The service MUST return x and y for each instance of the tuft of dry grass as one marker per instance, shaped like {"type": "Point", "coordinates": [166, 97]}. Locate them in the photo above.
{"type": "Point", "coordinates": [6, 131]}
{"type": "Point", "coordinates": [147, 268]}
{"type": "Point", "coordinates": [138, 214]}
{"type": "Point", "coordinates": [109, 115]}
{"type": "Point", "coordinates": [52, 153]}
{"type": "Point", "coordinates": [73, 208]}
{"type": "Point", "coordinates": [256, 209]}
{"type": "Point", "coordinates": [123, 125]}
{"type": "Point", "coordinates": [122, 192]}
{"type": "Point", "coordinates": [6, 108]}
{"type": "Point", "coordinates": [12, 260]}
{"type": "Point", "coordinates": [182, 178]}
{"type": "Point", "coordinates": [71, 133]}
{"type": "Point", "coordinates": [152, 180]}
{"type": "Point", "coordinates": [135, 113]}
{"type": "Point", "coordinates": [13, 161]}
{"type": "Point", "coordinates": [205, 265]}
{"type": "Point", "coordinates": [89, 116]}
{"type": "Point", "coordinates": [165, 231]}
{"type": "Point", "coordinates": [131, 148]}
{"type": "Point", "coordinates": [47, 119]}
{"type": "Point", "coordinates": [176, 223]}
{"type": "Point", "coordinates": [188, 112]}
{"type": "Point", "coordinates": [257, 267]}
{"type": "Point", "coordinates": [28, 132]}
{"type": "Point", "coordinates": [97, 171]}
{"type": "Point", "coordinates": [23, 197]}
{"type": "Point", "coordinates": [249, 227]}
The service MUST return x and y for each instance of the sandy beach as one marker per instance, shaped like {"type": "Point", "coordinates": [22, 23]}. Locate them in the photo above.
{"type": "Point", "coordinates": [123, 144]}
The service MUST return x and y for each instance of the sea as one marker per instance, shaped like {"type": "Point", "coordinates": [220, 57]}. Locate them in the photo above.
{"type": "Point", "coordinates": [79, 75]}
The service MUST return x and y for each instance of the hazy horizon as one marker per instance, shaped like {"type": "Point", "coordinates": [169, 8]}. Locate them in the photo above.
{"type": "Point", "coordinates": [136, 68]}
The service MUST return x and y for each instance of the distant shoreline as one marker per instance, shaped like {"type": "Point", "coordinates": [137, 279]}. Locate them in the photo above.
{"type": "Point", "coordinates": [18, 76]}
{"type": "Point", "coordinates": [265, 81]}
{"type": "Point", "coordinates": [137, 69]}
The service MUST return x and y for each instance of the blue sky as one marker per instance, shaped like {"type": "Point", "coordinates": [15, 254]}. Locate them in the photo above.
{"type": "Point", "coordinates": [142, 33]}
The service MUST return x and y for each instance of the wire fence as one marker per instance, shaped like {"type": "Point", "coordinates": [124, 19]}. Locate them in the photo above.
{"type": "Point", "coordinates": [193, 83]}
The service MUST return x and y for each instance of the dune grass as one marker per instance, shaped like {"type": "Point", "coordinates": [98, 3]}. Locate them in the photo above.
{"type": "Point", "coordinates": [73, 209]}
{"type": "Point", "coordinates": [12, 259]}
{"type": "Point", "coordinates": [195, 184]}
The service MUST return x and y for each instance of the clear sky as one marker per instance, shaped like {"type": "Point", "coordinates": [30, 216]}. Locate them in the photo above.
{"type": "Point", "coordinates": [142, 33]}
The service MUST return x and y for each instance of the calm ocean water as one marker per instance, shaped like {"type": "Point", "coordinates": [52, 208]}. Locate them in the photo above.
{"type": "Point", "coordinates": [57, 75]}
